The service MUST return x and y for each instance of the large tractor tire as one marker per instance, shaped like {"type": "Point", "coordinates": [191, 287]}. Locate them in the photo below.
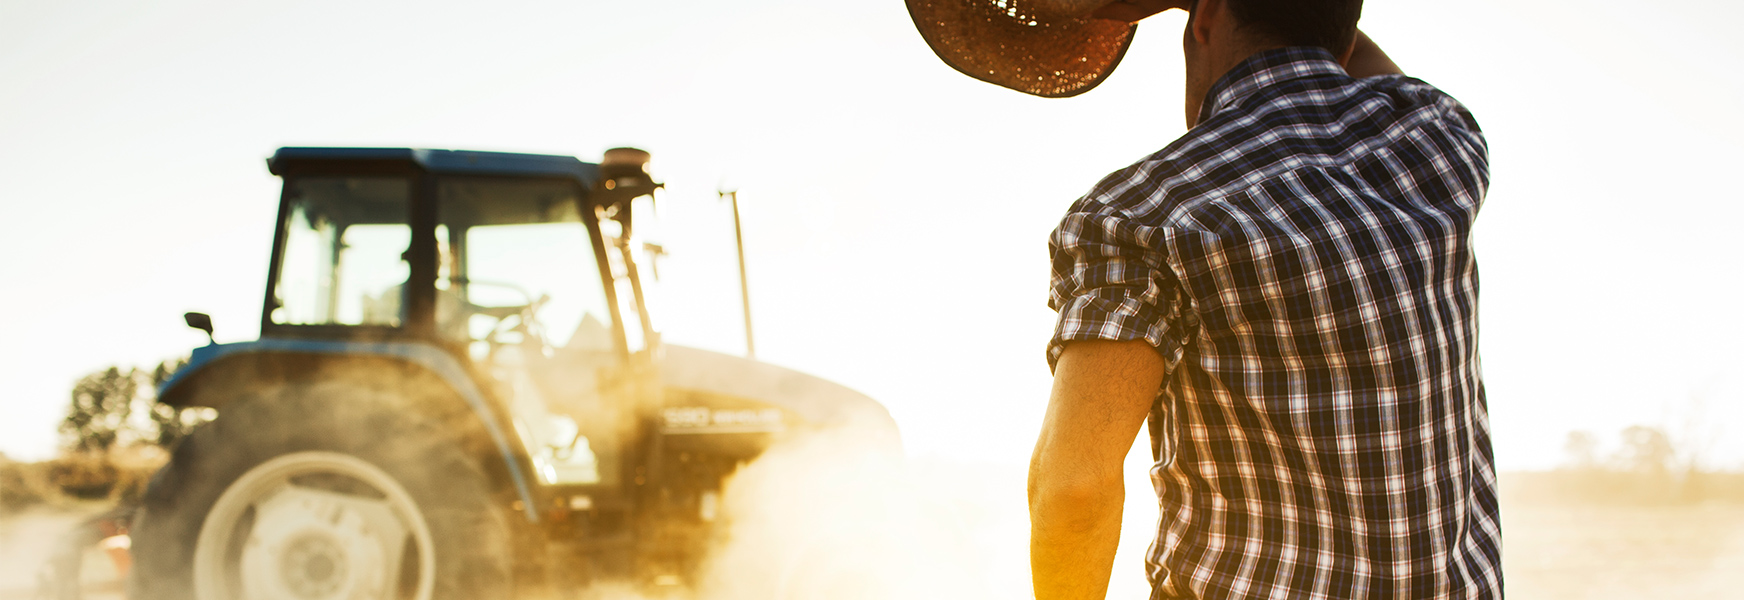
{"type": "Point", "coordinates": [320, 492]}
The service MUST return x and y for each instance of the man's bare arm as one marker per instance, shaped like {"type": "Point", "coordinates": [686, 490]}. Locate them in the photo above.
{"type": "Point", "coordinates": [1132, 11]}
{"type": "Point", "coordinates": [1367, 59]}
{"type": "Point", "coordinates": [1102, 393]}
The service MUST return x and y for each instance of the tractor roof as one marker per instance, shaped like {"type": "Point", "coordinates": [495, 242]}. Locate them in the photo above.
{"type": "Point", "coordinates": [457, 162]}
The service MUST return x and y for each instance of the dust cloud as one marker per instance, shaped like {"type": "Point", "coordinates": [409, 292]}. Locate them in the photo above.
{"type": "Point", "coordinates": [822, 517]}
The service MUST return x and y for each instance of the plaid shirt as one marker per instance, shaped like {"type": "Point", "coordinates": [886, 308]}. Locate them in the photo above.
{"type": "Point", "coordinates": [1302, 261]}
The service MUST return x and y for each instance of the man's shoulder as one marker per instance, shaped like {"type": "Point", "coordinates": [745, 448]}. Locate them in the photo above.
{"type": "Point", "coordinates": [1411, 95]}
{"type": "Point", "coordinates": [1315, 124]}
{"type": "Point", "coordinates": [1336, 110]}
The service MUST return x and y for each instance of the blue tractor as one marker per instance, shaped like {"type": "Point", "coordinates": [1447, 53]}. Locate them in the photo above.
{"type": "Point", "coordinates": [458, 394]}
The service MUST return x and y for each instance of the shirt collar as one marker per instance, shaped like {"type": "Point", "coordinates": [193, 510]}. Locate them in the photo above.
{"type": "Point", "coordinates": [1263, 69]}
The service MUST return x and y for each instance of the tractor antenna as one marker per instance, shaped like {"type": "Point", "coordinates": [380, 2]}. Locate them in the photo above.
{"type": "Point", "coordinates": [744, 286]}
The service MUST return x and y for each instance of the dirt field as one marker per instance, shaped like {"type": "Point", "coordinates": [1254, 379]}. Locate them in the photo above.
{"type": "Point", "coordinates": [1554, 552]}
{"type": "Point", "coordinates": [1624, 552]}
{"type": "Point", "coordinates": [29, 537]}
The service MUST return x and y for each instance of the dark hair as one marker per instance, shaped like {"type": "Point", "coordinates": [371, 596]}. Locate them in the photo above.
{"type": "Point", "coordinates": [1329, 24]}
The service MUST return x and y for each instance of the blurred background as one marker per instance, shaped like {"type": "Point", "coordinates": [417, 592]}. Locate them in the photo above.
{"type": "Point", "coordinates": [895, 220]}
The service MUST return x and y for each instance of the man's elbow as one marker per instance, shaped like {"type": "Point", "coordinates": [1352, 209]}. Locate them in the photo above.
{"type": "Point", "coordinates": [1074, 496]}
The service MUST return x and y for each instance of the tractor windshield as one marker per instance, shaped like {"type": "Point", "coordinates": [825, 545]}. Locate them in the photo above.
{"type": "Point", "coordinates": [514, 247]}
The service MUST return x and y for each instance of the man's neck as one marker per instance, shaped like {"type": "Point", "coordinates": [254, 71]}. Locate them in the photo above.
{"type": "Point", "coordinates": [1224, 62]}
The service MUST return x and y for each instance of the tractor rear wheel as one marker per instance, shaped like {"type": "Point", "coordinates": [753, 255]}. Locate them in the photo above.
{"type": "Point", "coordinates": [320, 492]}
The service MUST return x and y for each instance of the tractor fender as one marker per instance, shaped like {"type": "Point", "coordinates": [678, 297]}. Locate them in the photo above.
{"type": "Point", "coordinates": [215, 371]}
{"type": "Point", "coordinates": [820, 402]}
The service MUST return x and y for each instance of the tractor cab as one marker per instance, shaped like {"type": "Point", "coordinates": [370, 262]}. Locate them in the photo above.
{"type": "Point", "coordinates": [519, 265]}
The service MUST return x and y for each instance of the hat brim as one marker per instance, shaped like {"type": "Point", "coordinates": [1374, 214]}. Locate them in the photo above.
{"type": "Point", "coordinates": [996, 41]}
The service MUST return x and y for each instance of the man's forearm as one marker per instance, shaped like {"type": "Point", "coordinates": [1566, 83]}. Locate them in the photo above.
{"type": "Point", "coordinates": [1131, 11]}
{"type": "Point", "coordinates": [1073, 537]}
{"type": "Point", "coordinates": [1102, 393]}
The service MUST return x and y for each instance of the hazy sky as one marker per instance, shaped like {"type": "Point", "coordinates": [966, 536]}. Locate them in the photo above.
{"type": "Point", "coordinates": [896, 212]}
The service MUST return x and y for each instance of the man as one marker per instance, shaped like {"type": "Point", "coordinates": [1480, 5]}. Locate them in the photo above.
{"type": "Point", "coordinates": [1288, 294]}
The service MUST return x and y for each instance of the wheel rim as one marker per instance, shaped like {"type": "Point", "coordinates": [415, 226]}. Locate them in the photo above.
{"type": "Point", "coordinates": [314, 526]}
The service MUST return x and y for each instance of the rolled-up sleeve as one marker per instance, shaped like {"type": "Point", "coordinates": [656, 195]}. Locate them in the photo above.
{"type": "Point", "coordinates": [1110, 281]}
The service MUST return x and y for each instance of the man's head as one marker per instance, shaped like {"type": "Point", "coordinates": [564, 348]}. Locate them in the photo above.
{"type": "Point", "coordinates": [1329, 24]}
{"type": "Point", "coordinates": [1222, 33]}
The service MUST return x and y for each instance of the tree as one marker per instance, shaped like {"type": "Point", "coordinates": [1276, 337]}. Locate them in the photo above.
{"type": "Point", "coordinates": [115, 407]}
{"type": "Point", "coordinates": [171, 424]}
{"type": "Point", "coordinates": [102, 403]}
{"type": "Point", "coordinates": [1646, 450]}
{"type": "Point", "coordinates": [1582, 449]}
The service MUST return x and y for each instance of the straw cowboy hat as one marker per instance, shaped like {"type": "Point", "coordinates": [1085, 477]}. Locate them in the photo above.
{"type": "Point", "coordinates": [1049, 48]}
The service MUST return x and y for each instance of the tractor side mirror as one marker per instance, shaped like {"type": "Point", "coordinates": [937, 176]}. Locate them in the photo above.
{"type": "Point", "coordinates": [202, 322]}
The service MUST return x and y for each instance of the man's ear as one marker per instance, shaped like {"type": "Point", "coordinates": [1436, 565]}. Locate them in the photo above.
{"type": "Point", "coordinates": [1203, 18]}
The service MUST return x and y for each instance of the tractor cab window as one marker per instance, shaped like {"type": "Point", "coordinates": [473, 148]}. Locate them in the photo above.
{"type": "Point", "coordinates": [516, 260]}
{"type": "Point", "coordinates": [344, 255]}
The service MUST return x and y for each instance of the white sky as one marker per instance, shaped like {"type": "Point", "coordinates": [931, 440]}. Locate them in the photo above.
{"type": "Point", "coordinates": [895, 211]}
